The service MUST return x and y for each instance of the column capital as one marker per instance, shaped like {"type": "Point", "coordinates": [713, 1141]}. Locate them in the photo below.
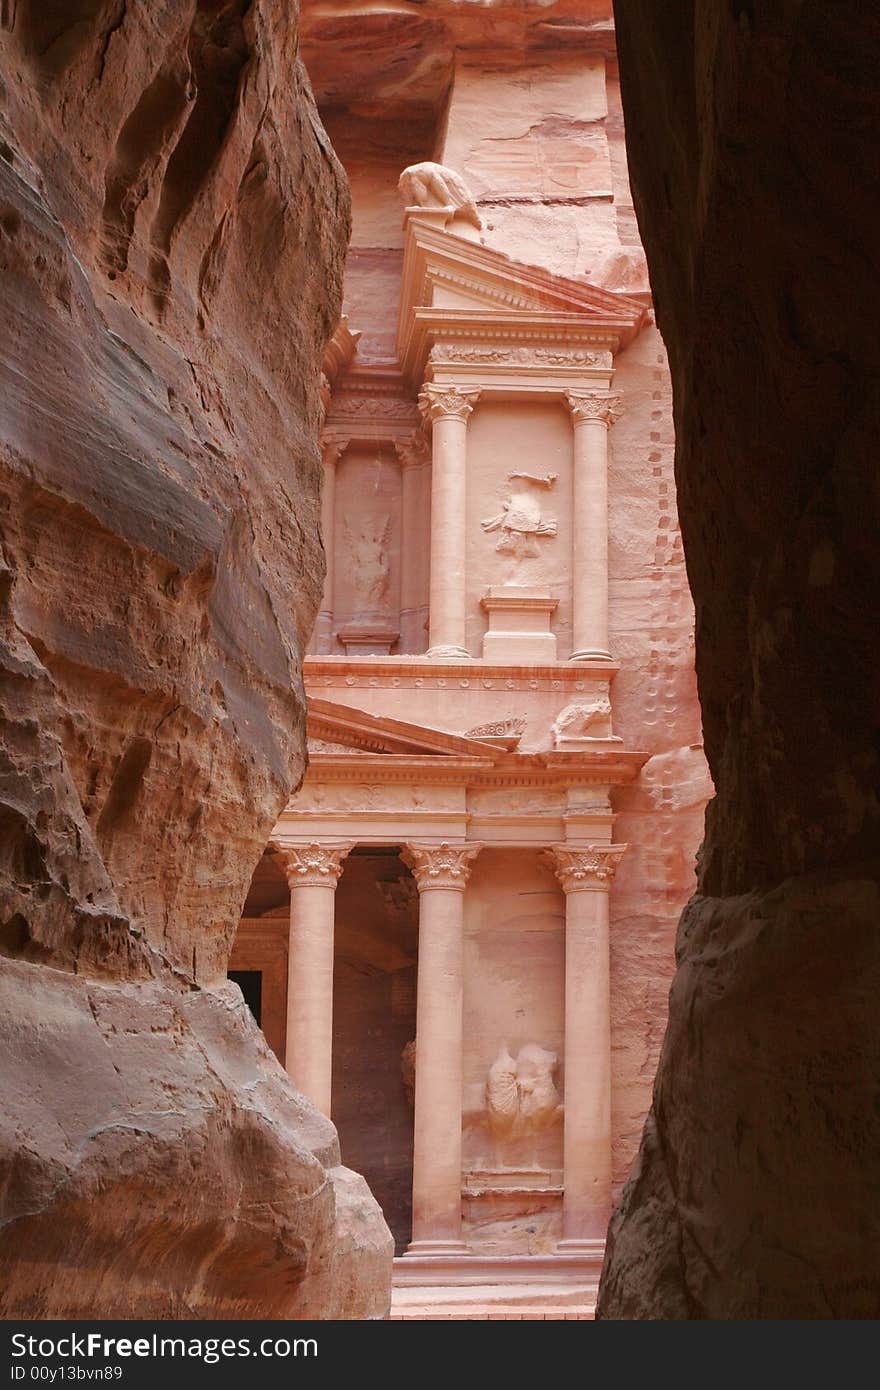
{"type": "Point", "coordinates": [603, 406]}
{"type": "Point", "coordinates": [332, 449]}
{"type": "Point", "coordinates": [307, 866]}
{"type": "Point", "coordinates": [447, 402]}
{"type": "Point", "coordinates": [585, 868]}
{"type": "Point", "coordinates": [413, 450]}
{"type": "Point", "coordinates": [440, 866]}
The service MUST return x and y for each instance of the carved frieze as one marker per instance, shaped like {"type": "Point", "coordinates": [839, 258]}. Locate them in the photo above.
{"type": "Point", "coordinates": [347, 404]}
{"type": "Point", "coordinates": [440, 866]}
{"type": "Point", "coordinates": [585, 866]}
{"type": "Point", "coordinates": [519, 355]}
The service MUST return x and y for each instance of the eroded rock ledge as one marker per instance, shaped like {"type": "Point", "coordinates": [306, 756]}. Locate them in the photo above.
{"type": "Point", "coordinates": [172, 229]}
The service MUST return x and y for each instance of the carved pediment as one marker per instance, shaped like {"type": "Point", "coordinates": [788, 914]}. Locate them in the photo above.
{"type": "Point", "coordinates": [335, 728]}
{"type": "Point", "coordinates": [456, 286]}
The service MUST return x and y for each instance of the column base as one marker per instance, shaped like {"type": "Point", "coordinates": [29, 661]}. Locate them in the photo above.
{"type": "Point", "coordinates": [420, 1248]}
{"type": "Point", "coordinates": [591, 655]}
{"type": "Point", "coordinates": [573, 1245]}
{"type": "Point", "coordinates": [447, 653]}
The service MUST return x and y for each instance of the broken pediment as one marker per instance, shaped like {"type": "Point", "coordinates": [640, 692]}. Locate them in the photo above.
{"type": "Point", "coordinates": [340, 729]}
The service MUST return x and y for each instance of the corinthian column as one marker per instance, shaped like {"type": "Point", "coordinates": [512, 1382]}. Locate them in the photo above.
{"type": "Point", "coordinates": [441, 873]}
{"type": "Point", "coordinates": [312, 872]}
{"type": "Point", "coordinates": [332, 451]}
{"type": "Point", "coordinates": [586, 873]}
{"type": "Point", "coordinates": [448, 409]}
{"type": "Point", "coordinates": [592, 413]}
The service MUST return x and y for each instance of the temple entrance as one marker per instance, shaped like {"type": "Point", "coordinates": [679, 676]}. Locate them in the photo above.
{"type": "Point", "coordinates": [374, 1013]}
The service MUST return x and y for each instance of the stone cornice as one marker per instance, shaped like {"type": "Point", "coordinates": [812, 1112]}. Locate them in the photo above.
{"type": "Point", "coordinates": [585, 868]}
{"type": "Point", "coordinates": [422, 670]}
{"type": "Point", "coordinates": [517, 770]}
{"type": "Point", "coordinates": [440, 866]}
{"type": "Point", "coordinates": [312, 865]}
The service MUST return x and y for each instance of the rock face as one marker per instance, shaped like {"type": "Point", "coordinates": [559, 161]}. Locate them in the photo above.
{"type": "Point", "coordinates": [172, 229]}
{"type": "Point", "coordinates": [755, 1192]}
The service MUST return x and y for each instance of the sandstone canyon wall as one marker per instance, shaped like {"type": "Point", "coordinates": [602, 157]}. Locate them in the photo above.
{"type": "Point", "coordinates": [172, 229]}
{"type": "Point", "coordinates": [750, 127]}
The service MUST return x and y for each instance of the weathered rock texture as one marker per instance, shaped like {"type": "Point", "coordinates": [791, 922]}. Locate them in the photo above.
{"type": "Point", "coordinates": [172, 227]}
{"type": "Point", "coordinates": [749, 126]}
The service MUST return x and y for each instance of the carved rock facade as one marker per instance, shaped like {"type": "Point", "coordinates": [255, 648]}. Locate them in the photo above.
{"type": "Point", "coordinates": [526, 681]}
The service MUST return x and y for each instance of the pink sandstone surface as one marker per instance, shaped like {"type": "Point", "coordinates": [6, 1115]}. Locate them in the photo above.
{"type": "Point", "coordinates": [172, 228]}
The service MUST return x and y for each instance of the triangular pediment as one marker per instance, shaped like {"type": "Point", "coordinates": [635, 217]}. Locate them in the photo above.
{"type": "Point", "coordinates": [452, 284]}
{"type": "Point", "coordinates": [335, 729]}
{"type": "Point", "coordinates": [484, 276]}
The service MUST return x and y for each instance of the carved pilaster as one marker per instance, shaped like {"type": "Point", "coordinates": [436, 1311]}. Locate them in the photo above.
{"type": "Point", "coordinates": [332, 449]}
{"type": "Point", "coordinates": [413, 451]}
{"type": "Point", "coordinates": [314, 865]}
{"type": "Point", "coordinates": [447, 402]}
{"type": "Point", "coordinates": [440, 866]}
{"type": "Point", "coordinates": [585, 867]}
{"type": "Point", "coordinates": [594, 405]}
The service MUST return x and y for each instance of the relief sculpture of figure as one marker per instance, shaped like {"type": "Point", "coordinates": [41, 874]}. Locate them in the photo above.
{"type": "Point", "coordinates": [520, 521]}
{"type": "Point", "coordinates": [429, 185]}
{"type": "Point", "coordinates": [502, 1096]}
{"type": "Point", "coordinates": [583, 720]}
{"type": "Point", "coordinates": [368, 548]}
{"type": "Point", "coordinates": [521, 1095]}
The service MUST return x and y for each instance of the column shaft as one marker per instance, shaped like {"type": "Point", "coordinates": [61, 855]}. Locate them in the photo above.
{"type": "Point", "coordinates": [592, 415]}
{"type": "Point", "coordinates": [448, 408]}
{"type": "Point", "coordinates": [313, 872]}
{"type": "Point", "coordinates": [586, 875]}
{"type": "Point", "coordinates": [441, 874]}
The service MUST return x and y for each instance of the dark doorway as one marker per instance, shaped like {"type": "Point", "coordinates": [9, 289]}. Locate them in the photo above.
{"type": "Point", "coordinates": [374, 1012]}
{"type": "Point", "coordinates": [250, 982]}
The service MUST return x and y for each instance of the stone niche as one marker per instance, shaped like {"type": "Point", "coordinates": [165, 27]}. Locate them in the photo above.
{"type": "Point", "coordinates": [367, 543]}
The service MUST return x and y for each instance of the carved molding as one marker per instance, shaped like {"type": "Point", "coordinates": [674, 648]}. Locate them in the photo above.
{"type": "Point", "coordinates": [449, 402]}
{"type": "Point", "coordinates": [347, 404]}
{"type": "Point", "coordinates": [440, 866]}
{"type": "Point", "coordinates": [308, 866]}
{"type": "Point", "coordinates": [594, 405]}
{"type": "Point", "coordinates": [520, 356]}
{"type": "Point", "coordinates": [501, 728]}
{"type": "Point", "coordinates": [590, 867]}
